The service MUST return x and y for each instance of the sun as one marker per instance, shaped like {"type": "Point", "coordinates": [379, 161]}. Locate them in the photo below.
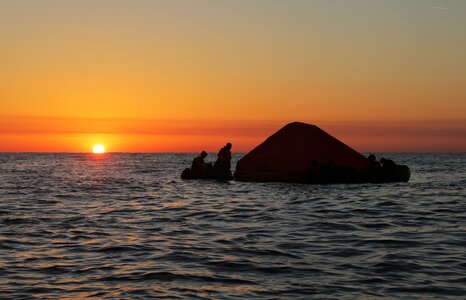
{"type": "Point", "coordinates": [98, 149]}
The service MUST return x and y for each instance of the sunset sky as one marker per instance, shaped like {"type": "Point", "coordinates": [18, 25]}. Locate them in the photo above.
{"type": "Point", "coordinates": [169, 76]}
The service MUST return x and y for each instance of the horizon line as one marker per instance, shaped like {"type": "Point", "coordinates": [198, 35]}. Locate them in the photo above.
{"type": "Point", "coordinates": [240, 152]}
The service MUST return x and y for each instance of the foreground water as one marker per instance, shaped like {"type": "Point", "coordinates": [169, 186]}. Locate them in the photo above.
{"type": "Point", "coordinates": [126, 226]}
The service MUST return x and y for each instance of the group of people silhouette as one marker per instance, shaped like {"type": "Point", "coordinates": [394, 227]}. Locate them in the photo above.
{"type": "Point", "coordinates": [384, 163]}
{"type": "Point", "coordinates": [221, 166]}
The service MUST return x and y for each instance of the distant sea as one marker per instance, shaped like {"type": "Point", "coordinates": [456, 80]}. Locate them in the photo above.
{"type": "Point", "coordinates": [126, 226]}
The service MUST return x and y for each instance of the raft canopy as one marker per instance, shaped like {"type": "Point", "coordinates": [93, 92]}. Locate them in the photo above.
{"type": "Point", "coordinates": [295, 152]}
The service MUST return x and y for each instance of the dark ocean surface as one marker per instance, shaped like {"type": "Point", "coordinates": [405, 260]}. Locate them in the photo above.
{"type": "Point", "coordinates": [126, 226]}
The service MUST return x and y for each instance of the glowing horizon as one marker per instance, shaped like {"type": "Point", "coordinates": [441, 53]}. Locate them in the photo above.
{"type": "Point", "coordinates": [139, 135]}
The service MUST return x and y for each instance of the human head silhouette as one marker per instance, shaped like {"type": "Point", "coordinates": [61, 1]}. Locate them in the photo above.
{"type": "Point", "coordinates": [228, 146]}
{"type": "Point", "coordinates": [203, 154]}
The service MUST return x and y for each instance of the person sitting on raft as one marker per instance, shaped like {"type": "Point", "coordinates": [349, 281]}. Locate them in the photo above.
{"type": "Point", "coordinates": [198, 166]}
{"type": "Point", "coordinates": [373, 163]}
{"type": "Point", "coordinates": [223, 163]}
{"type": "Point", "coordinates": [387, 164]}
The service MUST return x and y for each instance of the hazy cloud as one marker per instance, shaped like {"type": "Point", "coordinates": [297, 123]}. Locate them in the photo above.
{"type": "Point", "coordinates": [440, 7]}
{"type": "Point", "coordinates": [62, 125]}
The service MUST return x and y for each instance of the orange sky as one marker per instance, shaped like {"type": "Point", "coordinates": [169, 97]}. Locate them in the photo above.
{"type": "Point", "coordinates": [168, 76]}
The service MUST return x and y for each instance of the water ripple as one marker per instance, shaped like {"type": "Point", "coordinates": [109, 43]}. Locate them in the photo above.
{"type": "Point", "coordinates": [125, 226]}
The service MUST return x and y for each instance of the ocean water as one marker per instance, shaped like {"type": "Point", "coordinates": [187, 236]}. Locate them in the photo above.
{"type": "Point", "coordinates": [125, 226]}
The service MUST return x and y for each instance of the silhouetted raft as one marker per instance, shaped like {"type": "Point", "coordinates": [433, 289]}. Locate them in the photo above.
{"type": "Point", "coordinates": [302, 152]}
{"type": "Point", "coordinates": [209, 173]}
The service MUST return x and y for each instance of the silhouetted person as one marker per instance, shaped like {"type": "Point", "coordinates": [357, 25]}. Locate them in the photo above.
{"type": "Point", "coordinates": [373, 164]}
{"type": "Point", "coordinates": [387, 164]}
{"type": "Point", "coordinates": [223, 163]}
{"type": "Point", "coordinates": [198, 165]}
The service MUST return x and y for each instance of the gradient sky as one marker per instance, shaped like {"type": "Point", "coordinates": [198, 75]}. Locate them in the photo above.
{"type": "Point", "coordinates": [146, 76]}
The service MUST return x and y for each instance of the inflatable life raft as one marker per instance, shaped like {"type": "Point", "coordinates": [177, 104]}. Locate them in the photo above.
{"type": "Point", "coordinates": [301, 152]}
